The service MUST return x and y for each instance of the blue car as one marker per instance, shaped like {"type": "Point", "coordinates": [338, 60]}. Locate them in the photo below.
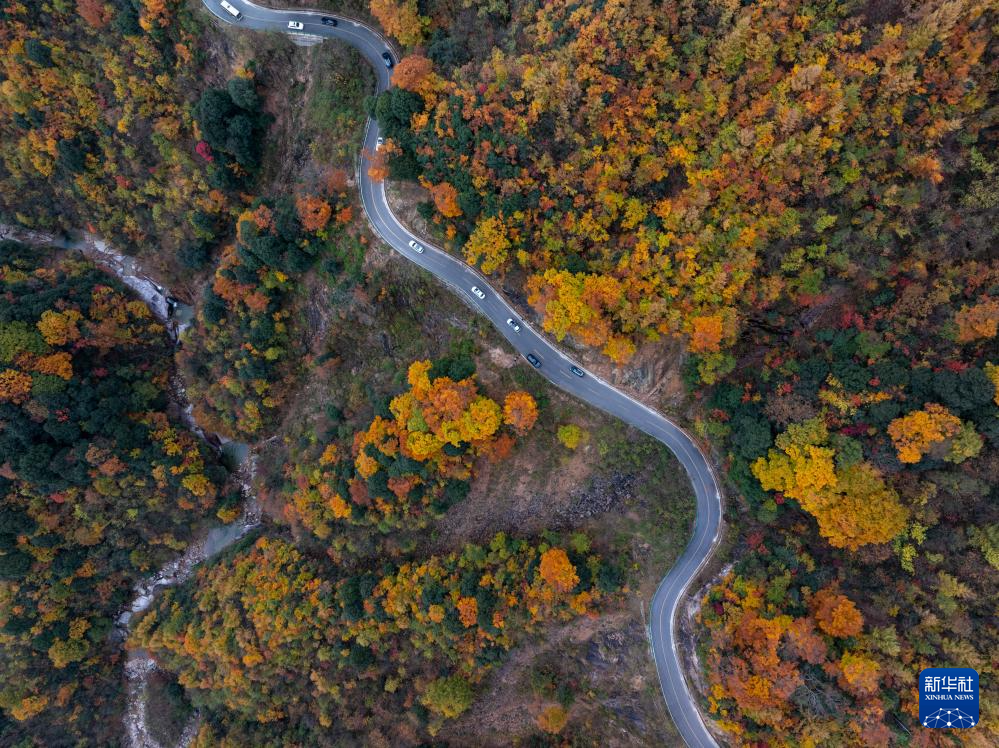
{"type": "Point", "coordinates": [577, 371]}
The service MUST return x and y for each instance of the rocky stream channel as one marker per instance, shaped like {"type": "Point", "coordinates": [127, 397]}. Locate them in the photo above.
{"type": "Point", "coordinates": [176, 316]}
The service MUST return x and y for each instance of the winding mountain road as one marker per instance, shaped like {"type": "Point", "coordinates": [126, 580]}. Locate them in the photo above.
{"type": "Point", "coordinates": [555, 365]}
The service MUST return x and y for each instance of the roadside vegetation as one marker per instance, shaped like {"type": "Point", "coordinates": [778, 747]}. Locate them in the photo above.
{"type": "Point", "coordinates": [804, 197]}
{"type": "Point", "coordinates": [303, 324]}
{"type": "Point", "coordinates": [776, 219]}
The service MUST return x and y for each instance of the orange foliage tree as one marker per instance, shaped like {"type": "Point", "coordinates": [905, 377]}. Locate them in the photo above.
{"type": "Point", "coordinates": [706, 333]}
{"type": "Point", "coordinates": [297, 615]}
{"type": "Point", "coordinates": [836, 614]}
{"type": "Point", "coordinates": [445, 197]}
{"type": "Point", "coordinates": [314, 212]}
{"type": "Point", "coordinates": [411, 72]}
{"type": "Point", "coordinates": [980, 321]}
{"type": "Point", "coordinates": [756, 650]}
{"type": "Point", "coordinates": [84, 374]}
{"type": "Point", "coordinates": [412, 466]}
{"type": "Point", "coordinates": [557, 570]}
{"type": "Point", "coordinates": [377, 165]}
{"type": "Point", "coordinates": [401, 20]}
{"type": "Point", "coordinates": [520, 411]}
{"type": "Point", "coordinates": [95, 12]}
{"type": "Point", "coordinates": [683, 193]}
{"type": "Point", "coordinates": [15, 386]}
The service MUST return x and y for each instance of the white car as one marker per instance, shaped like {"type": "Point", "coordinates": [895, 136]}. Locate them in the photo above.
{"type": "Point", "coordinates": [416, 246]}
{"type": "Point", "coordinates": [379, 143]}
{"type": "Point", "coordinates": [296, 25]}
{"type": "Point", "coordinates": [513, 325]}
{"type": "Point", "coordinates": [478, 292]}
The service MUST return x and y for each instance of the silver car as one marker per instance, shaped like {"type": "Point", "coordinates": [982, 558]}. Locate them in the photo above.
{"type": "Point", "coordinates": [416, 246]}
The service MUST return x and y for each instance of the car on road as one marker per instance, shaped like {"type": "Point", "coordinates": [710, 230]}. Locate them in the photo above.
{"type": "Point", "coordinates": [379, 143]}
{"type": "Point", "coordinates": [296, 25]}
{"type": "Point", "coordinates": [577, 371]}
{"type": "Point", "coordinates": [513, 325]}
{"type": "Point", "coordinates": [327, 21]}
{"type": "Point", "coordinates": [478, 292]}
{"type": "Point", "coordinates": [389, 62]}
{"type": "Point", "coordinates": [416, 246]}
{"type": "Point", "coordinates": [231, 10]}
{"type": "Point", "coordinates": [534, 360]}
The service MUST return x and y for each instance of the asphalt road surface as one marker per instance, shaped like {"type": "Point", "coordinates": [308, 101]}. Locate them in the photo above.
{"type": "Point", "coordinates": [554, 364]}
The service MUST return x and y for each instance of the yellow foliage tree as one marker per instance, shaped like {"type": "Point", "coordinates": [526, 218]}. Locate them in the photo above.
{"type": "Point", "coordinates": [571, 435]}
{"type": "Point", "coordinates": [553, 719]}
{"type": "Point", "coordinates": [619, 349]}
{"type": "Point", "coordinates": [801, 465]}
{"type": "Point", "coordinates": [992, 372]}
{"type": "Point", "coordinates": [916, 433]}
{"type": "Point", "coordinates": [59, 328]}
{"type": "Point", "coordinates": [853, 505]}
{"type": "Point", "coordinates": [862, 509]}
{"type": "Point", "coordinates": [489, 242]}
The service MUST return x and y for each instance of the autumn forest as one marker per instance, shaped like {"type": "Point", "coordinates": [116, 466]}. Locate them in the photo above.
{"type": "Point", "coordinates": [776, 222]}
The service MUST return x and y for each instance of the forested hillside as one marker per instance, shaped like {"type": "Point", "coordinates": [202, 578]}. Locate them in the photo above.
{"type": "Point", "coordinates": [805, 194]}
{"type": "Point", "coordinates": [381, 417]}
{"type": "Point", "coordinates": [241, 357]}
{"type": "Point", "coordinates": [646, 170]}
{"type": "Point", "coordinates": [95, 123]}
{"type": "Point", "coordinates": [864, 447]}
{"type": "Point", "coordinates": [776, 221]}
{"type": "Point", "coordinates": [315, 642]}
{"type": "Point", "coordinates": [98, 486]}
